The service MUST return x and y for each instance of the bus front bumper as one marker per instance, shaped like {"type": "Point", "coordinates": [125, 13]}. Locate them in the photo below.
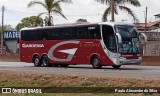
{"type": "Point", "coordinates": [124, 61]}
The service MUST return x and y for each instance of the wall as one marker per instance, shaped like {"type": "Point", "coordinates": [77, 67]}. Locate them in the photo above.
{"type": "Point", "coordinates": [152, 48]}
{"type": "Point", "coordinates": [12, 45]}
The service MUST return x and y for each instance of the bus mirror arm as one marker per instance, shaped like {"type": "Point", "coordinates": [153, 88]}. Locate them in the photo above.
{"type": "Point", "coordinates": [119, 38]}
{"type": "Point", "coordinates": [145, 37]}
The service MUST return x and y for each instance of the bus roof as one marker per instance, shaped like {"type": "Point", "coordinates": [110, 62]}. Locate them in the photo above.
{"type": "Point", "coordinates": [76, 24]}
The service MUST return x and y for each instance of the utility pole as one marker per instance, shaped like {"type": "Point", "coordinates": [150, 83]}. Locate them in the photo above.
{"type": "Point", "coordinates": [3, 8]}
{"type": "Point", "coordinates": [145, 28]}
{"type": "Point", "coordinates": [146, 19]}
{"type": "Point", "coordinates": [112, 8]}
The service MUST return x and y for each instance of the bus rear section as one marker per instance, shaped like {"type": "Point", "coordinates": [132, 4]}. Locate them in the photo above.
{"type": "Point", "coordinates": [95, 44]}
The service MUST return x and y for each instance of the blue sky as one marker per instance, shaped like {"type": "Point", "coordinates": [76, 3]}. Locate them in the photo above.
{"type": "Point", "coordinates": [87, 9]}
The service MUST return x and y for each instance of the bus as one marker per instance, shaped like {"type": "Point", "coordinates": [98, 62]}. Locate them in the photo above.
{"type": "Point", "coordinates": [97, 44]}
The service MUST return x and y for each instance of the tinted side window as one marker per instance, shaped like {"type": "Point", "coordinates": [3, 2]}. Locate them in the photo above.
{"type": "Point", "coordinates": [94, 32]}
{"type": "Point", "coordinates": [81, 33]}
{"type": "Point", "coordinates": [55, 34]}
{"type": "Point", "coordinates": [27, 35]}
{"type": "Point", "coordinates": [67, 33]}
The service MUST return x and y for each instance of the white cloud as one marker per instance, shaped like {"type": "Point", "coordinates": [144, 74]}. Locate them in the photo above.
{"type": "Point", "coordinates": [87, 9]}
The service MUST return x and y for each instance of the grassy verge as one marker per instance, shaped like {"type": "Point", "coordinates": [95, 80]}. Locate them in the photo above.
{"type": "Point", "coordinates": [12, 79]}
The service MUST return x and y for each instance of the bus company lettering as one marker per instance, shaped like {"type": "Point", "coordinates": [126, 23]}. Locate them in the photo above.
{"type": "Point", "coordinates": [32, 45]}
{"type": "Point", "coordinates": [89, 44]}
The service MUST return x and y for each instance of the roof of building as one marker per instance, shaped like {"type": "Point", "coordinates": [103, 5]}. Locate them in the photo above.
{"type": "Point", "coordinates": [157, 15]}
{"type": "Point", "coordinates": [150, 24]}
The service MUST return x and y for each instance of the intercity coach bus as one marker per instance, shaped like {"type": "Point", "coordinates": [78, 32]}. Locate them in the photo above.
{"type": "Point", "coordinates": [99, 44]}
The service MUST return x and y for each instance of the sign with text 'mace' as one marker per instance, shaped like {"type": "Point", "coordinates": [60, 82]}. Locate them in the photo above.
{"type": "Point", "coordinates": [11, 35]}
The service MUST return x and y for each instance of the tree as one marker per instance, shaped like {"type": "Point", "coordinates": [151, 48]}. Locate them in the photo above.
{"type": "Point", "coordinates": [50, 6]}
{"type": "Point", "coordinates": [115, 4]}
{"type": "Point", "coordinates": [6, 28]}
{"type": "Point", "coordinates": [31, 21]}
{"type": "Point", "coordinates": [81, 20]}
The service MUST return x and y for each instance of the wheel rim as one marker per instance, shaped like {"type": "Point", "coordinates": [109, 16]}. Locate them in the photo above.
{"type": "Point", "coordinates": [36, 61]}
{"type": "Point", "coordinates": [45, 62]}
{"type": "Point", "coordinates": [96, 62]}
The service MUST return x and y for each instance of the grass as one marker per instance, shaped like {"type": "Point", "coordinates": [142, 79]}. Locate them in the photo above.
{"type": "Point", "coordinates": [23, 79]}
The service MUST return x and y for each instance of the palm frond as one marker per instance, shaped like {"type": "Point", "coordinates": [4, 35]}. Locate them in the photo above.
{"type": "Point", "coordinates": [56, 6]}
{"type": "Point", "coordinates": [30, 4]}
{"type": "Point", "coordinates": [135, 3]}
{"type": "Point", "coordinates": [37, 18]}
{"type": "Point", "coordinates": [66, 1]}
{"type": "Point", "coordinates": [130, 12]}
{"type": "Point", "coordinates": [59, 12]}
{"type": "Point", "coordinates": [106, 13]}
{"type": "Point", "coordinates": [103, 1]}
{"type": "Point", "coordinates": [48, 4]}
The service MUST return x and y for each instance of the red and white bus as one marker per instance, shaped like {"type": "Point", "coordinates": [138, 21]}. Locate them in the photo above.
{"type": "Point", "coordinates": [100, 44]}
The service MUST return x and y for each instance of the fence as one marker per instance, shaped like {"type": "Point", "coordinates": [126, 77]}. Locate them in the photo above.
{"type": "Point", "coordinates": [3, 50]}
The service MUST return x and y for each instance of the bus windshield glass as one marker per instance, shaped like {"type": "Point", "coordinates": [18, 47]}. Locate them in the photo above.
{"type": "Point", "coordinates": [130, 39]}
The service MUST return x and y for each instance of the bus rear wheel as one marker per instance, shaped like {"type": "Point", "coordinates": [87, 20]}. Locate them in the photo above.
{"type": "Point", "coordinates": [96, 63]}
{"type": "Point", "coordinates": [36, 61]}
{"type": "Point", "coordinates": [45, 62]}
{"type": "Point", "coordinates": [116, 66]}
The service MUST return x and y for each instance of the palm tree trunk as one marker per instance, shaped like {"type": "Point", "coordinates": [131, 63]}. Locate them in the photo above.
{"type": "Point", "coordinates": [49, 19]}
{"type": "Point", "coordinates": [112, 6]}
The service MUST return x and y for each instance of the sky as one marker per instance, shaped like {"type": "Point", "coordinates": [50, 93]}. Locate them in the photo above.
{"type": "Point", "coordinates": [91, 10]}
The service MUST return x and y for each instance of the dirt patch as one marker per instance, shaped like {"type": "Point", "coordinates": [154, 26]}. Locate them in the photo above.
{"type": "Point", "coordinates": [10, 58]}
{"type": "Point", "coordinates": [23, 79]}
{"type": "Point", "coordinates": [60, 80]}
{"type": "Point", "coordinates": [151, 61]}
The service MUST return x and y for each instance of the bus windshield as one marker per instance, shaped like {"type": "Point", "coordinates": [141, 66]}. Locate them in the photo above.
{"type": "Point", "coordinates": [130, 39]}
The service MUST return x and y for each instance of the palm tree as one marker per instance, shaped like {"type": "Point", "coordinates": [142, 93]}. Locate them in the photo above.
{"type": "Point", "coordinates": [50, 6]}
{"type": "Point", "coordinates": [115, 4]}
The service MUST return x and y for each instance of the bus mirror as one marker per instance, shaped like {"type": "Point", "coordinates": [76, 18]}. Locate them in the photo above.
{"type": "Point", "coordinates": [144, 36]}
{"type": "Point", "coordinates": [119, 38]}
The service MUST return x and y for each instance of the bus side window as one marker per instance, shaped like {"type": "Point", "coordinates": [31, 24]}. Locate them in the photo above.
{"type": "Point", "coordinates": [67, 33]}
{"type": "Point", "coordinates": [55, 34]}
{"type": "Point", "coordinates": [82, 33]}
{"type": "Point", "coordinates": [95, 33]}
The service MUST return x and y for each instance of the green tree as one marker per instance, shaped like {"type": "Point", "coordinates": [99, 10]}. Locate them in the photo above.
{"type": "Point", "coordinates": [115, 4]}
{"type": "Point", "coordinates": [32, 21]}
{"type": "Point", "coordinates": [7, 28]}
{"type": "Point", "coordinates": [81, 20]}
{"type": "Point", "coordinates": [50, 6]}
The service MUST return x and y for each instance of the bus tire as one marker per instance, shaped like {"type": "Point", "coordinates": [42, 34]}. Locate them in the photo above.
{"type": "Point", "coordinates": [96, 63]}
{"type": "Point", "coordinates": [116, 66]}
{"type": "Point", "coordinates": [45, 62]}
{"type": "Point", "coordinates": [36, 61]}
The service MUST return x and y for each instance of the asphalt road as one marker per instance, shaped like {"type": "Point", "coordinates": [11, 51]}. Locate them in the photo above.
{"type": "Point", "coordinates": [125, 71]}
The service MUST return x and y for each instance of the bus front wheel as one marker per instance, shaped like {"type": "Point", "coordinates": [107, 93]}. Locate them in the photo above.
{"type": "Point", "coordinates": [45, 62]}
{"type": "Point", "coordinates": [116, 66]}
{"type": "Point", "coordinates": [36, 61]}
{"type": "Point", "coordinates": [96, 63]}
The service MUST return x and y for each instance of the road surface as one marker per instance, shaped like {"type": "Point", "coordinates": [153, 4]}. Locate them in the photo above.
{"type": "Point", "coordinates": [125, 71]}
